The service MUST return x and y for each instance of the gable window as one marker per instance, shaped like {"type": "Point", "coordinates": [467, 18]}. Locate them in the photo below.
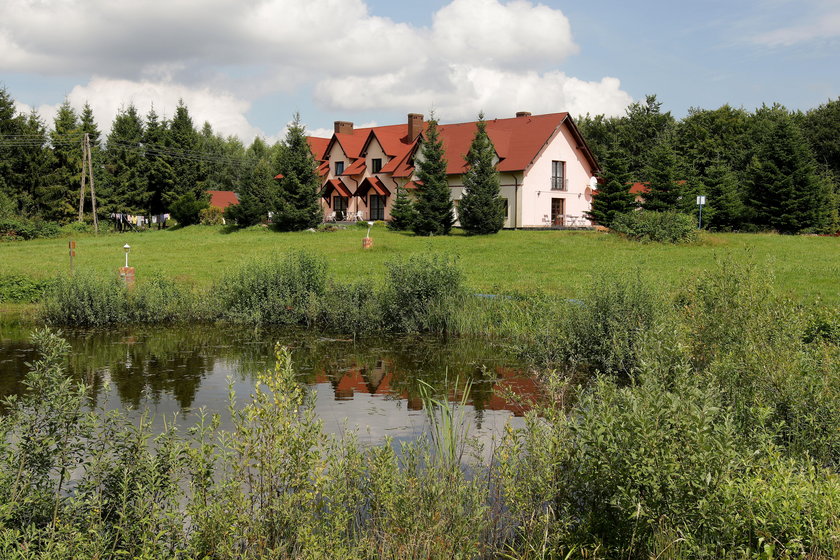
{"type": "Point", "coordinates": [375, 165]}
{"type": "Point", "coordinates": [558, 175]}
{"type": "Point", "coordinates": [339, 167]}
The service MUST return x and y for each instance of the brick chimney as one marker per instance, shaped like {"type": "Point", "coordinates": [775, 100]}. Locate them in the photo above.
{"type": "Point", "coordinates": [343, 127]}
{"type": "Point", "coordinates": [523, 114]}
{"type": "Point", "coordinates": [415, 125]}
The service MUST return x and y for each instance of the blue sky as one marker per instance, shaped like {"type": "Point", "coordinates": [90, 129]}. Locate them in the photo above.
{"type": "Point", "coordinates": [246, 67]}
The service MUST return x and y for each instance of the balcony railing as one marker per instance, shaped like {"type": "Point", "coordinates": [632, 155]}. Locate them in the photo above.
{"type": "Point", "coordinates": [559, 184]}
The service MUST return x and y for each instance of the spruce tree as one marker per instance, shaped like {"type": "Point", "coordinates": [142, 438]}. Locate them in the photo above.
{"type": "Point", "coordinates": [34, 165]}
{"type": "Point", "coordinates": [60, 196]}
{"type": "Point", "coordinates": [613, 196]}
{"type": "Point", "coordinates": [11, 155]}
{"type": "Point", "coordinates": [257, 192]}
{"type": "Point", "coordinates": [297, 204]}
{"type": "Point", "coordinates": [661, 175]}
{"type": "Point", "coordinates": [160, 177]}
{"type": "Point", "coordinates": [402, 212]}
{"type": "Point", "coordinates": [125, 166]}
{"type": "Point", "coordinates": [725, 198]}
{"type": "Point", "coordinates": [434, 203]}
{"type": "Point", "coordinates": [785, 191]}
{"type": "Point", "coordinates": [482, 209]}
{"type": "Point", "coordinates": [184, 139]}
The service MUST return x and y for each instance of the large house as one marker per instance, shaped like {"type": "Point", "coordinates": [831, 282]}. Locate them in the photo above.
{"type": "Point", "coordinates": [546, 169]}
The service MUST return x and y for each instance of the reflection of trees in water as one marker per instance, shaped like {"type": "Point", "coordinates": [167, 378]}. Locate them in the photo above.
{"type": "Point", "coordinates": [151, 362]}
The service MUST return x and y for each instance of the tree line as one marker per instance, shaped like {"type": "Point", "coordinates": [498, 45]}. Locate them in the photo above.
{"type": "Point", "coordinates": [770, 169]}
{"type": "Point", "coordinates": [145, 165]}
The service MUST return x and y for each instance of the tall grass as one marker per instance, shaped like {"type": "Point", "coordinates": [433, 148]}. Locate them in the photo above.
{"type": "Point", "coordinates": [658, 465]}
{"type": "Point", "coordinates": [92, 301]}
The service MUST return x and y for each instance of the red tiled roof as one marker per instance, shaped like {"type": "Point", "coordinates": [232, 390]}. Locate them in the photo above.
{"type": "Point", "coordinates": [356, 168]}
{"type": "Point", "coordinates": [278, 176]}
{"type": "Point", "coordinates": [372, 183]}
{"type": "Point", "coordinates": [639, 188]}
{"type": "Point", "coordinates": [335, 185]}
{"type": "Point", "coordinates": [222, 199]}
{"type": "Point", "coordinates": [517, 141]}
{"type": "Point", "coordinates": [318, 146]}
{"type": "Point", "coordinates": [412, 184]}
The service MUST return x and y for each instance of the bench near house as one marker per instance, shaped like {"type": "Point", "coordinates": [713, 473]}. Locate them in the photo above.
{"type": "Point", "coordinates": [545, 168]}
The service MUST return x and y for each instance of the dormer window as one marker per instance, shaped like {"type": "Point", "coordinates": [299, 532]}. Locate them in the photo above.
{"type": "Point", "coordinates": [339, 167]}
{"type": "Point", "coordinates": [375, 165]}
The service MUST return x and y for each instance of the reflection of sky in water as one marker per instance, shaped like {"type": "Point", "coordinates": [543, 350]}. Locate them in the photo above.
{"type": "Point", "coordinates": [369, 388]}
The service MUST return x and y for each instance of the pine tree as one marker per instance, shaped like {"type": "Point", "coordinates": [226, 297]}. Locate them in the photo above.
{"type": "Point", "coordinates": [661, 176]}
{"type": "Point", "coordinates": [257, 193]}
{"type": "Point", "coordinates": [402, 212]}
{"type": "Point", "coordinates": [125, 166]}
{"type": "Point", "coordinates": [34, 165]}
{"type": "Point", "coordinates": [11, 155]}
{"type": "Point", "coordinates": [482, 209]}
{"type": "Point", "coordinates": [60, 196]}
{"type": "Point", "coordinates": [613, 196]}
{"type": "Point", "coordinates": [184, 139]}
{"type": "Point", "coordinates": [785, 191]}
{"type": "Point", "coordinates": [160, 177]}
{"type": "Point", "coordinates": [641, 130]}
{"type": "Point", "coordinates": [434, 203]}
{"type": "Point", "coordinates": [725, 209]}
{"type": "Point", "coordinates": [297, 204]}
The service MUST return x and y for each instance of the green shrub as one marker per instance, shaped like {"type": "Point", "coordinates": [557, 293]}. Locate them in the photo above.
{"type": "Point", "coordinates": [752, 343]}
{"type": "Point", "coordinates": [186, 210]}
{"type": "Point", "coordinates": [211, 216]}
{"type": "Point", "coordinates": [422, 294]}
{"type": "Point", "coordinates": [85, 300]}
{"type": "Point", "coordinates": [76, 228]}
{"type": "Point", "coordinates": [350, 308]}
{"type": "Point", "coordinates": [89, 300]}
{"type": "Point", "coordinates": [275, 290]}
{"type": "Point", "coordinates": [16, 228]}
{"type": "Point", "coordinates": [659, 227]}
{"type": "Point", "coordinates": [20, 289]}
{"type": "Point", "coordinates": [609, 331]}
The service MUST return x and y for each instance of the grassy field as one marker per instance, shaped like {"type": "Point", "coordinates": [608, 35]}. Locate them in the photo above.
{"type": "Point", "coordinates": [559, 262]}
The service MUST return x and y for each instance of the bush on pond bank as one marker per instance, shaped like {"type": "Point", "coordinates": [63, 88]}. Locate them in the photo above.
{"type": "Point", "coordinates": [659, 227]}
{"type": "Point", "coordinates": [418, 294]}
{"type": "Point", "coordinates": [659, 467]}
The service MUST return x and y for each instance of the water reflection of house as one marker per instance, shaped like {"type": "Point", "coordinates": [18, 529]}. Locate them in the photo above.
{"type": "Point", "coordinates": [379, 380]}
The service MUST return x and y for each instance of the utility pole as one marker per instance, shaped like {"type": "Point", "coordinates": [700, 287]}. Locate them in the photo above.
{"type": "Point", "coordinates": [87, 170]}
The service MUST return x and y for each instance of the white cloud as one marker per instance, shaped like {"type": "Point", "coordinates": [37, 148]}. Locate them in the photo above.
{"type": "Point", "coordinates": [219, 55]}
{"type": "Point", "coordinates": [508, 35]}
{"type": "Point", "coordinates": [818, 20]}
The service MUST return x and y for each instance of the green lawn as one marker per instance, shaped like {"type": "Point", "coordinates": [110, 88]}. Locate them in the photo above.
{"type": "Point", "coordinates": [560, 262]}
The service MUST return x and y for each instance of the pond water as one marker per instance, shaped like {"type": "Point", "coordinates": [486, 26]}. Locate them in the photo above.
{"type": "Point", "coordinates": [370, 386]}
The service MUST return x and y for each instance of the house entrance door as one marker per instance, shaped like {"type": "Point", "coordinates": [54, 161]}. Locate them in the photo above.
{"type": "Point", "coordinates": [558, 209]}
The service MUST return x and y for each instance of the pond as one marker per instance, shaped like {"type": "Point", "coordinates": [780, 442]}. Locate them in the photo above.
{"type": "Point", "coordinates": [370, 386]}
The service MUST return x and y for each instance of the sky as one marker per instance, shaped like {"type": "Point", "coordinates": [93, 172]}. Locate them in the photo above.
{"type": "Point", "coordinates": [246, 66]}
